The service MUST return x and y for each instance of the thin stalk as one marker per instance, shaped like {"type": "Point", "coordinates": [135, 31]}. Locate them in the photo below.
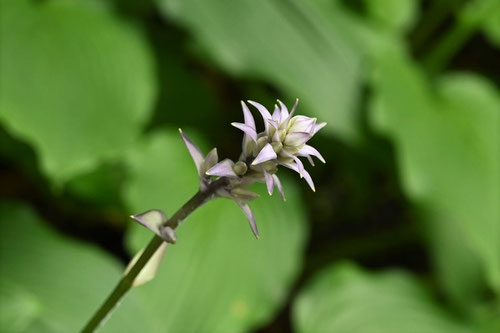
{"type": "Point", "coordinates": [128, 279]}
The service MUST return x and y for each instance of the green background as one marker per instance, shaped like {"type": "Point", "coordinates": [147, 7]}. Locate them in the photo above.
{"type": "Point", "coordinates": [402, 234]}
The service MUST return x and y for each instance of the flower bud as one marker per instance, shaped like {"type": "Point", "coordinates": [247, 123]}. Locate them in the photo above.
{"type": "Point", "coordinates": [240, 168]}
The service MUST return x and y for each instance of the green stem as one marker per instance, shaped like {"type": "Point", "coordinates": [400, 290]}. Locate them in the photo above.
{"type": "Point", "coordinates": [127, 280]}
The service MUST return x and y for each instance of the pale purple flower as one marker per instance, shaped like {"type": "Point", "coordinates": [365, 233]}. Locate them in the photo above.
{"type": "Point", "coordinates": [282, 142]}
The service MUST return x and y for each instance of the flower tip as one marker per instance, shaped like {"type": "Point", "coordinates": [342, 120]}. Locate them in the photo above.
{"type": "Point", "coordinates": [180, 130]}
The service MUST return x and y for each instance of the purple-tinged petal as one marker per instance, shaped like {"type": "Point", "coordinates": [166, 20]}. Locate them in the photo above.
{"type": "Point", "coordinates": [309, 150]}
{"type": "Point", "coordinates": [297, 138]}
{"type": "Point", "coordinates": [266, 154]}
{"type": "Point", "coordinates": [276, 134]}
{"type": "Point", "coordinates": [269, 182]}
{"type": "Point", "coordinates": [276, 113]}
{"type": "Point", "coordinates": [247, 129]}
{"type": "Point", "coordinates": [247, 115]}
{"type": "Point", "coordinates": [284, 110]}
{"type": "Point", "coordinates": [298, 163]}
{"type": "Point", "coordinates": [279, 186]}
{"type": "Point", "coordinates": [305, 174]}
{"type": "Point", "coordinates": [251, 218]}
{"type": "Point", "coordinates": [309, 180]}
{"type": "Point", "coordinates": [291, 166]}
{"type": "Point", "coordinates": [309, 158]}
{"type": "Point", "coordinates": [210, 160]}
{"type": "Point", "coordinates": [317, 127]}
{"type": "Point", "coordinates": [263, 111]}
{"type": "Point", "coordinates": [302, 124]}
{"type": "Point", "coordinates": [151, 219]}
{"type": "Point", "coordinates": [193, 149]}
{"type": "Point", "coordinates": [273, 123]}
{"type": "Point", "coordinates": [294, 108]}
{"type": "Point", "coordinates": [222, 169]}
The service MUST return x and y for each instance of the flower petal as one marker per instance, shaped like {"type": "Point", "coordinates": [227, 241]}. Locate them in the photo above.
{"type": "Point", "coordinates": [279, 186]}
{"type": "Point", "coordinates": [247, 115]}
{"type": "Point", "coordinates": [298, 163]}
{"type": "Point", "coordinates": [210, 160]}
{"type": "Point", "coordinates": [263, 111]}
{"type": "Point", "coordinates": [284, 111]}
{"type": "Point", "coordinates": [301, 124]}
{"type": "Point", "coordinates": [294, 108]}
{"type": "Point", "coordinates": [251, 218]}
{"type": "Point", "coordinates": [305, 174]}
{"type": "Point", "coordinates": [247, 129]}
{"type": "Point", "coordinates": [193, 149]}
{"type": "Point", "coordinates": [276, 113]}
{"type": "Point", "coordinates": [317, 127]}
{"type": "Point", "coordinates": [266, 154]}
{"type": "Point", "coordinates": [269, 182]}
{"type": "Point", "coordinates": [309, 150]}
{"type": "Point", "coordinates": [309, 180]}
{"type": "Point", "coordinates": [297, 138]}
{"type": "Point", "coordinates": [151, 219]}
{"type": "Point", "coordinates": [222, 169]}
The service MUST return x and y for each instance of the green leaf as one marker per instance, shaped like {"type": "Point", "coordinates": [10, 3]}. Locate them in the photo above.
{"type": "Point", "coordinates": [447, 144]}
{"type": "Point", "coordinates": [306, 49]}
{"type": "Point", "coordinates": [76, 82]}
{"type": "Point", "coordinates": [18, 307]}
{"type": "Point", "coordinates": [345, 299]}
{"type": "Point", "coordinates": [491, 25]}
{"type": "Point", "coordinates": [396, 15]}
{"type": "Point", "coordinates": [55, 284]}
{"type": "Point", "coordinates": [217, 277]}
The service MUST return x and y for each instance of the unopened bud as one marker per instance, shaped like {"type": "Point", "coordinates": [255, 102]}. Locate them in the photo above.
{"type": "Point", "coordinates": [240, 168]}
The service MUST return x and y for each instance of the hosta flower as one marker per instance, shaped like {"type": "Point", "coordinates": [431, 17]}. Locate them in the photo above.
{"type": "Point", "coordinates": [283, 140]}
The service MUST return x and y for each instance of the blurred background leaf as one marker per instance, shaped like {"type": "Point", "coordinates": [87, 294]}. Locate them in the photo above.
{"type": "Point", "coordinates": [460, 182]}
{"type": "Point", "coordinates": [51, 283]}
{"type": "Point", "coordinates": [300, 47]}
{"type": "Point", "coordinates": [76, 82]}
{"type": "Point", "coordinates": [90, 92]}
{"type": "Point", "coordinates": [344, 298]}
{"type": "Point", "coordinates": [217, 278]}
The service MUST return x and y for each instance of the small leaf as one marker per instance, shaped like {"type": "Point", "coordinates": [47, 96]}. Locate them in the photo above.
{"type": "Point", "coordinates": [149, 271]}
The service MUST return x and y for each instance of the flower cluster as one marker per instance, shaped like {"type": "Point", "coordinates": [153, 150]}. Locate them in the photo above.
{"type": "Point", "coordinates": [283, 140]}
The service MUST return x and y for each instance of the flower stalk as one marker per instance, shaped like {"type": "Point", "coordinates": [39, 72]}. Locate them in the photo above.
{"type": "Point", "coordinates": [128, 279]}
{"type": "Point", "coordinates": [283, 140]}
